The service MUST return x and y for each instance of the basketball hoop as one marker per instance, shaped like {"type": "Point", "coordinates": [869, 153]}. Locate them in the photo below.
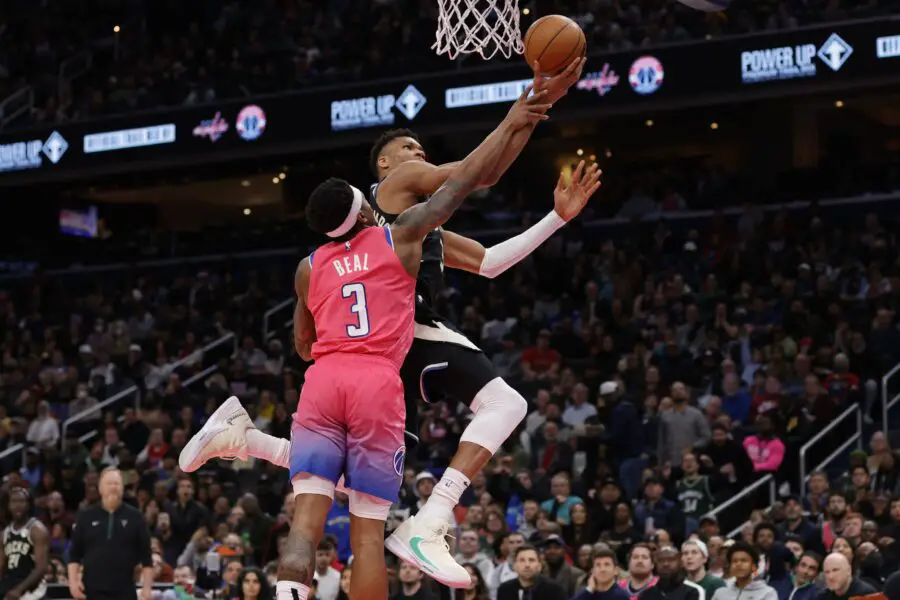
{"type": "Point", "coordinates": [485, 27]}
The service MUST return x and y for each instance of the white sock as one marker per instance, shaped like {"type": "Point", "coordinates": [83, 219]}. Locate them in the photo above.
{"type": "Point", "coordinates": [290, 590]}
{"type": "Point", "coordinates": [269, 448]}
{"type": "Point", "coordinates": [445, 496]}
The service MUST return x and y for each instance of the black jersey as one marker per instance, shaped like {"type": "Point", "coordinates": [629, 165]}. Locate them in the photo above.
{"type": "Point", "coordinates": [18, 548]}
{"type": "Point", "coordinates": [430, 281]}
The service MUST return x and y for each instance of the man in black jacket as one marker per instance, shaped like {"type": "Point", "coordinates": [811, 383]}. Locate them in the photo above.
{"type": "Point", "coordinates": [108, 540]}
{"type": "Point", "coordinates": [672, 582]}
{"type": "Point", "coordinates": [529, 584]}
{"type": "Point", "coordinates": [839, 581]}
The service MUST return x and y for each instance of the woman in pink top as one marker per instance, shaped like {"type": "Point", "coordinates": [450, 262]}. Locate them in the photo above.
{"type": "Point", "coordinates": [764, 449]}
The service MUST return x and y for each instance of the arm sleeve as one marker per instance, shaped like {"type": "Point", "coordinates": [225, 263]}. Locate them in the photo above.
{"type": "Point", "coordinates": [76, 550]}
{"type": "Point", "coordinates": [144, 545]}
{"type": "Point", "coordinates": [499, 258]}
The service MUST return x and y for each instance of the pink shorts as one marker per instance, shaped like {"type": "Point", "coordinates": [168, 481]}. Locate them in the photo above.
{"type": "Point", "coordinates": [350, 421]}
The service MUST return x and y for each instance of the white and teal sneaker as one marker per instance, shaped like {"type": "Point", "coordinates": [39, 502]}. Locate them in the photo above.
{"type": "Point", "coordinates": [424, 544]}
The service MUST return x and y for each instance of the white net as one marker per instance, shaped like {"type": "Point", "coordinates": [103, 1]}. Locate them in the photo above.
{"type": "Point", "coordinates": [485, 27]}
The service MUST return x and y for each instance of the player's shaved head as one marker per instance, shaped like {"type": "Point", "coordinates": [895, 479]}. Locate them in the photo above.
{"type": "Point", "coordinates": [383, 140]}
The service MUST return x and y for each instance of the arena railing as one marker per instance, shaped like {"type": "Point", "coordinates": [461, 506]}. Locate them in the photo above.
{"type": "Point", "coordinates": [267, 332]}
{"type": "Point", "coordinates": [12, 450]}
{"type": "Point", "coordinates": [199, 354]}
{"type": "Point", "coordinates": [856, 438]}
{"type": "Point", "coordinates": [171, 368]}
{"type": "Point", "coordinates": [887, 405]}
{"type": "Point", "coordinates": [743, 495]}
{"type": "Point", "coordinates": [133, 390]}
{"type": "Point", "coordinates": [15, 105]}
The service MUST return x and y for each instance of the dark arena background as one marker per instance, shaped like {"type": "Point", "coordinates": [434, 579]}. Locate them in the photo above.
{"type": "Point", "coordinates": [155, 161]}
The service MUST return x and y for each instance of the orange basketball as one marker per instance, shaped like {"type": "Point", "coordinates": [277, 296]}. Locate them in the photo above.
{"type": "Point", "coordinates": [554, 41]}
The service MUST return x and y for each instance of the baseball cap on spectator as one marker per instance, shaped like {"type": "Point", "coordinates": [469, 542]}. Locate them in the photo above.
{"type": "Point", "coordinates": [608, 387]}
{"type": "Point", "coordinates": [33, 450]}
{"type": "Point", "coordinates": [553, 539]}
{"type": "Point", "coordinates": [709, 519]}
{"type": "Point", "coordinates": [425, 475]}
{"type": "Point", "coordinates": [85, 349]}
{"type": "Point", "coordinates": [134, 348]}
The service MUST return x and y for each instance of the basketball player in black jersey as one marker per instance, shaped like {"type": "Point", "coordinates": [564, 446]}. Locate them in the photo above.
{"type": "Point", "coordinates": [442, 361]}
{"type": "Point", "coordinates": [24, 553]}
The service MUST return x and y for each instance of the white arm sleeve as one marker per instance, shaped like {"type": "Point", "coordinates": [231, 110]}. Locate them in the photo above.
{"type": "Point", "coordinates": [499, 258]}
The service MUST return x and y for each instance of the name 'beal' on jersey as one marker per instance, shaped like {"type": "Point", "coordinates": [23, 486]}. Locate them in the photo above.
{"type": "Point", "coordinates": [361, 297]}
{"type": "Point", "coordinates": [431, 272]}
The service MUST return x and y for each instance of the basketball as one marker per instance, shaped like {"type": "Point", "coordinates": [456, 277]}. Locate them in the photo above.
{"type": "Point", "coordinates": [554, 42]}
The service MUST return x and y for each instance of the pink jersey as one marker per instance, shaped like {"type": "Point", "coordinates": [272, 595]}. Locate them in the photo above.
{"type": "Point", "coordinates": [361, 297]}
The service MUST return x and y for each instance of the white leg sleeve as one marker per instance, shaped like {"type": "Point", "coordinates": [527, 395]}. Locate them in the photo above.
{"type": "Point", "coordinates": [369, 507]}
{"type": "Point", "coordinates": [498, 411]}
{"type": "Point", "coordinates": [304, 483]}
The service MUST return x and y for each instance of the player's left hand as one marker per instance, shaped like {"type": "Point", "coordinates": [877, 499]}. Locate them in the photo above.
{"type": "Point", "coordinates": [569, 199]}
{"type": "Point", "coordinates": [558, 85]}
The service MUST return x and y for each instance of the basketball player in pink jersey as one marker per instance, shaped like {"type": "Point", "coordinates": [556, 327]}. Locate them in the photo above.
{"type": "Point", "coordinates": [356, 297]}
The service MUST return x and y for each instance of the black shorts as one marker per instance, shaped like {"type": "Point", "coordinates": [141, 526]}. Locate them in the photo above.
{"type": "Point", "coordinates": [440, 366]}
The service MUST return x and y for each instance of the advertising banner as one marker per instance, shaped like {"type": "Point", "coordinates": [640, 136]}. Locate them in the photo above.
{"type": "Point", "coordinates": [844, 55]}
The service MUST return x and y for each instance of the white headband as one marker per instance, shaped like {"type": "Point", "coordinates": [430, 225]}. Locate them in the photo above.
{"type": "Point", "coordinates": [347, 225]}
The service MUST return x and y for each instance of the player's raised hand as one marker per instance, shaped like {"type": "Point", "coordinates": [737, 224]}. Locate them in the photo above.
{"type": "Point", "coordinates": [568, 200]}
{"type": "Point", "coordinates": [528, 109]}
{"type": "Point", "coordinates": [558, 85]}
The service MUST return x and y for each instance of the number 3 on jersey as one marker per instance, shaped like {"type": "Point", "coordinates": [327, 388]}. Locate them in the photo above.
{"type": "Point", "coordinates": [357, 292]}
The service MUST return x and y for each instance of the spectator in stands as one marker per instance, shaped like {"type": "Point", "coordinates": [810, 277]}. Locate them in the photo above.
{"type": "Point", "coordinates": [694, 558]}
{"type": "Point", "coordinates": [410, 585]}
{"type": "Point", "coordinates": [839, 581]}
{"type": "Point", "coordinates": [655, 511]}
{"type": "Point", "coordinates": [742, 559]}
{"type": "Point", "coordinates": [477, 589]}
{"type": "Point", "coordinates": [640, 571]}
{"type": "Point", "coordinates": [504, 569]}
{"type": "Point", "coordinates": [765, 450]}
{"type": "Point", "coordinates": [529, 579]}
{"type": "Point", "coordinates": [44, 429]}
{"type": "Point", "coordinates": [835, 518]}
{"type": "Point", "coordinates": [558, 507]}
{"type": "Point", "coordinates": [803, 583]}
{"type": "Point", "coordinates": [555, 567]}
{"type": "Point", "coordinates": [796, 523]}
{"type": "Point", "coordinates": [469, 553]}
{"type": "Point", "coordinates": [844, 547]}
{"type": "Point", "coordinates": [329, 578]}
{"type": "Point", "coordinates": [186, 513]}
{"type": "Point", "coordinates": [681, 428]}
{"type": "Point", "coordinates": [672, 582]}
{"type": "Point", "coordinates": [775, 559]}
{"type": "Point", "coordinates": [601, 581]}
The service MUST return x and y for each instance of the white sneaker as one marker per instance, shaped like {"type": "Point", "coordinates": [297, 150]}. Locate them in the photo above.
{"type": "Point", "coordinates": [424, 544]}
{"type": "Point", "coordinates": [224, 435]}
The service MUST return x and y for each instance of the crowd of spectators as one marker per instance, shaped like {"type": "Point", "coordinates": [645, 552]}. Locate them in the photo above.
{"type": "Point", "coordinates": [169, 53]}
{"type": "Point", "coordinates": [667, 369]}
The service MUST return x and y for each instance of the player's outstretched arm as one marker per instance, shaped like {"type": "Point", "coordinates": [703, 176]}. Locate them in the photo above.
{"type": "Point", "coordinates": [415, 222]}
{"type": "Point", "coordinates": [414, 179]}
{"type": "Point", "coordinates": [468, 255]}
{"type": "Point", "coordinates": [304, 326]}
{"type": "Point", "coordinates": [556, 87]}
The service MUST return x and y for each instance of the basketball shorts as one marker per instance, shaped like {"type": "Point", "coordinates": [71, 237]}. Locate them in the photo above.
{"type": "Point", "coordinates": [442, 364]}
{"type": "Point", "coordinates": [350, 421]}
